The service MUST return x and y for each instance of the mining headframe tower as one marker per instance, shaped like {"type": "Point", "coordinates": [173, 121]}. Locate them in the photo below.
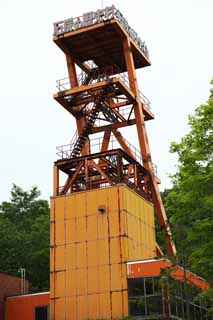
{"type": "Point", "coordinates": [103, 241]}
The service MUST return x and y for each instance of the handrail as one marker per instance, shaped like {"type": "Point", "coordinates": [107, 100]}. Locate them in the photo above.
{"type": "Point", "coordinates": [97, 76]}
{"type": "Point", "coordinates": [65, 151]}
{"type": "Point", "coordinates": [93, 17]}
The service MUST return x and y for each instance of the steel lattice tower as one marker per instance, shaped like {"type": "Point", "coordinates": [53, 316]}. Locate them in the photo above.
{"type": "Point", "coordinates": [102, 93]}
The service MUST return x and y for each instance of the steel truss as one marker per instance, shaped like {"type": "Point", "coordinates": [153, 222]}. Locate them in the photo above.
{"type": "Point", "coordinates": [103, 100]}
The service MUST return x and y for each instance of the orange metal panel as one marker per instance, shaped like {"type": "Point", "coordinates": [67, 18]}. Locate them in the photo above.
{"type": "Point", "coordinates": [82, 308]}
{"type": "Point", "coordinates": [125, 303]}
{"type": "Point", "coordinates": [104, 278]}
{"type": "Point", "coordinates": [70, 256]}
{"type": "Point", "coordinates": [124, 275]}
{"type": "Point", "coordinates": [114, 230]}
{"type": "Point", "coordinates": [71, 282]}
{"type": "Point", "coordinates": [105, 306]}
{"type": "Point", "coordinates": [60, 309]}
{"type": "Point", "coordinates": [93, 280]}
{"type": "Point", "coordinates": [81, 229]}
{"type": "Point", "coordinates": [112, 194]}
{"type": "Point", "coordinates": [81, 281]}
{"type": "Point", "coordinates": [91, 247]}
{"type": "Point", "coordinates": [124, 251]}
{"type": "Point", "coordinates": [81, 255]}
{"type": "Point", "coordinates": [92, 252]}
{"type": "Point", "coordinates": [59, 232]}
{"type": "Point", "coordinates": [123, 222]}
{"type": "Point", "coordinates": [59, 258]}
{"type": "Point", "coordinates": [121, 195]}
{"type": "Point", "coordinates": [80, 204]}
{"type": "Point", "coordinates": [130, 249]}
{"type": "Point", "coordinates": [128, 200]}
{"type": "Point", "coordinates": [117, 305]}
{"type": "Point", "coordinates": [71, 308]}
{"type": "Point", "coordinates": [92, 228]}
{"type": "Point", "coordinates": [59, 284]}
{"type": "Point", "coordinates": [102, 226]}
{"type": "Point", "coordinates": [91, 202]}
{"type": "Point", "coordinates": [93, 306]}
{"type": "Point", "coordinates": [70, 231]}
{"type": "Point", "coordinates": [103, 251]}
{"type": "Point", "coordinates": [130, 225]}
{"type": "Point", "coordinates": [139, 230]}
{"type": "Point", "coordinates": [70, 205]}
{"type": "Point", "coordinates": [116, 277]}
{"type": "Point", "coordinates": [59, 208]}
{"type": "Point", "coordinates": [140, 227]}
{"type": "Point", "coordinates": [115, 250]}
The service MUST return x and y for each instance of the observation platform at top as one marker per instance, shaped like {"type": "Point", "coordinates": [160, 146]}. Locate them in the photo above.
{"type": "Point", "coordinates": [98, 36]}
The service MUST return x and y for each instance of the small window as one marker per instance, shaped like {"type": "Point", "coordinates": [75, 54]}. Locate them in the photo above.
{"type": "Point", "coordinates": [41, 313]}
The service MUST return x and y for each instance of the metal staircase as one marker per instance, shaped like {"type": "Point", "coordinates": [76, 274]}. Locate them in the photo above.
{"type": "Point", "coordinates": [82, 138]}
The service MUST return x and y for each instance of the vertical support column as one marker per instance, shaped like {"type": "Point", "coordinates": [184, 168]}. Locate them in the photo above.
{"type": "Point", "coordinates": [145, 150]}
{"type": "Point", "coordinates": [71, 71]}
{"type": "Point", "coordinates": [139, 116]}
{"type": "Point", "coordinates": [55, 181]}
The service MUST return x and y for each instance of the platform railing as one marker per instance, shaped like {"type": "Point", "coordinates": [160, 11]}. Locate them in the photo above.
{"type": "Point", "coordinates": [93, 17]}
{"type": "Point", "coordinates": [65, 151]}
{"type": "Point", "coordinates": [98, 76]}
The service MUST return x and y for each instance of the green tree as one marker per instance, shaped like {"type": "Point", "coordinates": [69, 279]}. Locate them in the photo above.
{"type": "Point", "coordinates": [190, 202]}
{"type": "Point", "coordinates": [24, 236]}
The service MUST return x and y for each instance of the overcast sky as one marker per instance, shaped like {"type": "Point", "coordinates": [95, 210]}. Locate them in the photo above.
{"type": "Point", "coordinates": [179, 37]}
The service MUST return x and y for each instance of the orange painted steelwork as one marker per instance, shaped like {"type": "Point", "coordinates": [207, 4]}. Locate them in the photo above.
{"type": "Point", "coordinates": [98, 42]}
{"type": "Point", "coordinates": [103, 215]}
{"type": "Point", "coordinates": [93, 235]}
{"type": "Point", "coordinates": [153, 268]}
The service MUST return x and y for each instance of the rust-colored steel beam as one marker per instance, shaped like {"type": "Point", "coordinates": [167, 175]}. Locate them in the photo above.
{"type": "Point", "coordinates": [145, 150]}
{"type": "Point", "coordinates": [106, 139]}
{"type": "Point", "coordinates": [102, 173]}
{"type": "Point", "coordinates": [108, 167]}
{"type": "Point", "coordinates": [123, 143]}
{"type": "Point", "coordinates": [71, 179]}
{"type": "Point", "coordinates": [126, 55]}
{"type": "Point", "coordinates": [55, 180]}
{"type": "Point", "coordinates": [71, 71]}
{"type": "Point", "coordinates": [114, 126]}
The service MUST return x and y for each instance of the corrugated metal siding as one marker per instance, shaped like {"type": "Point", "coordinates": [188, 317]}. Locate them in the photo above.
{"type": "Point", "coordinates": [89, 251]}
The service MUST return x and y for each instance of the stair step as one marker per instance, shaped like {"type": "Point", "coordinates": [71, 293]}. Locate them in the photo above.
{"type": "Point", "coordinates": [89, 123]}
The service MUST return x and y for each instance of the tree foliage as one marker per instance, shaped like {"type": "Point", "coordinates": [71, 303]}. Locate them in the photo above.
{"type": "Point", "coordinates": [24, 237]}
{"type": "Point", "coordinates": [190, 202]}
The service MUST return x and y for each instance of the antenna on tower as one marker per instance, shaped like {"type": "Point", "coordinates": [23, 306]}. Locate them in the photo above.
{"type": "Point", "coordinates": [102, 4]}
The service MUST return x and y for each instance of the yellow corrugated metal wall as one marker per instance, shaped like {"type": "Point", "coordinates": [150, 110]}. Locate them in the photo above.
{"type": "Point", "coordinates": [89, 251]}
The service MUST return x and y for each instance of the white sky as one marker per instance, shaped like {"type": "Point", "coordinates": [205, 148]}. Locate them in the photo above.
{"type": "Point", "coordinates": [179, 37]}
